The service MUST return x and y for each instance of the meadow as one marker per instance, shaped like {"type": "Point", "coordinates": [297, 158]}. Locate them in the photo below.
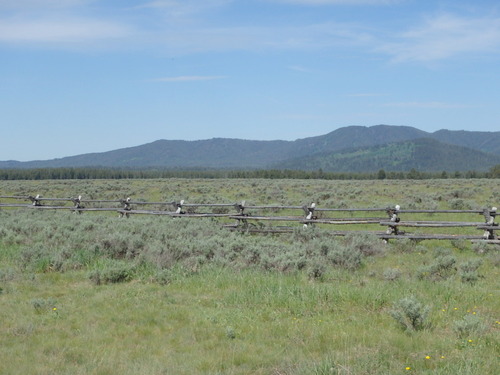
{"type": "Point", "coordinates": [96, 294]}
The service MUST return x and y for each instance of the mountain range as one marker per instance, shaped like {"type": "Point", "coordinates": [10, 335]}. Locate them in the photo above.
{"type": "Point", "coordinates": [352, 148]}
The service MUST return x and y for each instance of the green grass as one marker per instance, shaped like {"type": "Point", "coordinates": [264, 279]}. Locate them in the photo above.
{"type": "Point", "coordinates": [222, 321]}
{"type": "Point", "coordinates": [200, 300]}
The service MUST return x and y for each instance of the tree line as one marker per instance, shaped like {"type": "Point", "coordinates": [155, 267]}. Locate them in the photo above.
{"type": "Point", "coordinates": [113, 173]}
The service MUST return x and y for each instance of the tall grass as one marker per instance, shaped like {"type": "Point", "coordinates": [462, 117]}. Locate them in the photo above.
{"type": "Point", "coordinates": [94, 294]}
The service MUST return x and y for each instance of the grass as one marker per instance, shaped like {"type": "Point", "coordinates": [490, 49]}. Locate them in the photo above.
{"type": "Point", "coordinates": [199, 300]}
{"type": "Point", "coordinates": [221, 321]}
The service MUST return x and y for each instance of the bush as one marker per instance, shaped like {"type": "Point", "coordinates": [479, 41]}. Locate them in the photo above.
{"type": "Point", "coordinates": [461, 245]}
{"type": "Point", "coordinates": [468, 270]}
{"type": "Point", "coordinates": [43, 304]}
{"type": "Point", "coordinates": [481, 247]}
{"type": "Point", "coordinates": [230, 333]}
{"type": "Point", "coordinates": [7, 274]}
{"type": "Point", "coordinates": [112, 273]}
{"type": "Point", "coordinates": [163, 277]}
{"type": "Point", "coordinates": [316, 270]}
{"type": "Point", "coordinates": [410, 314]}
{"type": "Point", "coordinates": [345, 257]}
{"type": "Point", "coordinates": [469, 325]}
{"type": "Point", "coordinates": [405, 245]}
{"type": "Point", "coordinates": [442, 268]}
{"type": "Point", "coordinates": [392, 274]}
{"type": "Point", "coordinates": [366, 244]}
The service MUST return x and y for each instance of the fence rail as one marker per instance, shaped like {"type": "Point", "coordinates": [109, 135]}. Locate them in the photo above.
{"type": "Point", "coordinates": [254, 222]}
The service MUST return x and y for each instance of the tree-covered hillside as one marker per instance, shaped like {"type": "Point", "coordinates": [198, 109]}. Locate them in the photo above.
{"type": "Point", "coordinates": [332, 151]}
{"type": "Point", "coordinates": [422, 154]}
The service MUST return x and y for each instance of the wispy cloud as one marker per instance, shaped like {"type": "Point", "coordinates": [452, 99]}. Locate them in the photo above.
{"type": "Point", "coordinates": [181, 8]}
{"type": "Point", "coordinates": [364, 95]}
{"type": "Point", "coordinates": [180, 27]}
{"type": "Point", "coordinates": [55, 30]}
{"type": "Point", "coordinates": [177, 27]}
{"type": "Point", "coordinates": [428, 105]}
{"type": "Point", "coordinates": [299, 68]}
{"type": "Point", "coordinates": [177, 36]}
{"type": "Point", "coordinates": [338, 2]}
{"type": "Point", "coordinates": [262, 38]}
{"type": "Point", "coordinates": [41, 4]}
{"type": "Point", "coordinates": [443, 37]}
{"type": "Point", "coordinates": [187, 78]}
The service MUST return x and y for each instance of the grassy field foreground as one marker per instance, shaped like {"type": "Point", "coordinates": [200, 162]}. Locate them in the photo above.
{"type": "Point", "coordinates": [94, 294]}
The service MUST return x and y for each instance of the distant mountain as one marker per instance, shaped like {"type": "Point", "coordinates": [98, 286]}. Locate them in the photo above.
{"type": "Point", "coordinates": [309, 153]}
{"type": "Point", "coordinates": [424, 154]}
{"type": "Point", "coordinates": [212, 153]}
{"type": "Point", "coordinates": [356, 136]}
{"type": "Point", "coordinates": [484, 141]}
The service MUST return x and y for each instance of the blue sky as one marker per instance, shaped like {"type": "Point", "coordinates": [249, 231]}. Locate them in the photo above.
{"type": "Point", "coordinates": [81, 76]}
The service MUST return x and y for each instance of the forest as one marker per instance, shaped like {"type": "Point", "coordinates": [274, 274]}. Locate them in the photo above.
{"type": "Point", "coordinates": [151, 173]}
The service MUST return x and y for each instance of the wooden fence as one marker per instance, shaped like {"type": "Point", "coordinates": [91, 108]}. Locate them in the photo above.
{"type": "Point", "coordinates": [251, 218]}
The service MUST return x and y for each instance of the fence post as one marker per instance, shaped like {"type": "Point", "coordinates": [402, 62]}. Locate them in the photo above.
{"type": "Point", "coordinates": [393, 218]}
{"type": "Point", "coordinates": [78, 204]}
{"type": "Point", "coordinates": [489, 217]}
{"type": "Point", "coordinates": [35, 200]}
{"type": "Point", "coordinates": [126, 207]}
{"type": "Point", "coordinates": [240, 207]}
{"type": "Point", "coordinates": [179, 207]}
{"type": "Point", "coordinates": [310, 213]}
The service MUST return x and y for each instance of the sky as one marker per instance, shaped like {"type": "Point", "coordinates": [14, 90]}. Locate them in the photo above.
{"type": "Point", "coordinates": [82, 76]}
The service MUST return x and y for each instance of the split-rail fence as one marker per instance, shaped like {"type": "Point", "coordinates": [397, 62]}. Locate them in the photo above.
{"type": "Point", "coordinates": [251, 218]}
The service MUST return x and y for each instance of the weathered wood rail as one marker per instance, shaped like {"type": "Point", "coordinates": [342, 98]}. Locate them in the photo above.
{"type": "Point", "coordinates": [254, 222]}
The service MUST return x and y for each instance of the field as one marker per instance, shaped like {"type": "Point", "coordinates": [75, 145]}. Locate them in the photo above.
{"type": "Point", "coordinates": [96, 294]}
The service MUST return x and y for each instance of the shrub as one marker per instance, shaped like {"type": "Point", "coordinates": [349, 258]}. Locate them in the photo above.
{"type": "Point", "coordinates": [366, 244]}
{"type": "Point", "coordinates": [392, 274]}
{"type": "Point", "coordinates": [163, 277]}
{"type": "Point", "coordinates": [460, 204]}
{"type": "Point", "coordinates": [410, 314]}
{"type": "Point", "coordinates": [470, 277]}
{"type": "Point", "coordinates": [442, 268]}
{"type": "Point", "coordinates": [230, 333]}
{"type": "Point", "coordinates": [405, 245]}
{"type": "Point", "coordinates": [469, 325]}
{"type": "Point", "coordinates": [112, 273]}
{"type": "Point", "coordinates": [440, 252]}
{"type": "Point", "coordinates": [7, 274]}
{"type": "Point", "coordinates": [461, 245]}
{"type": "Point", "coordinates": [316, 270]}
{"type": "Point", "coordinates": [43, 304]}
{"type": "Point", "coordinates": [468, 270]}
{"type": "Point", "coordinates": [345, 257]}
{"type": "Point", "coordinates": [481, 247]}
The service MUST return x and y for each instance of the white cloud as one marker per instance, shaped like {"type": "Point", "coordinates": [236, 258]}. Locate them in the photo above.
{"type": "Point", "coordinates": [188, 78]}
{"type": "Point", "coordinates": [56, 30]}
{"type": "Point", "coordinates": [338, 2]}
{"type": "Point", "coordinates": [41, 4]}
{"type": "Point", "coordinates": [181, 8]}
{"type": "Point", "coordinates": [165, 24]}
{"type": "Point", "coordinates": [427, 105]}
{"type": "Point", "coordinates": [445, 36]}
{"type": "Point", "coordinates": [65, 22]}
{"type": "Point", "coordinates": [364, 95]}
{"type": "Point", "coordinates": [260, 38]}
{"type": "Point", "coordinates": [299, 68]}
